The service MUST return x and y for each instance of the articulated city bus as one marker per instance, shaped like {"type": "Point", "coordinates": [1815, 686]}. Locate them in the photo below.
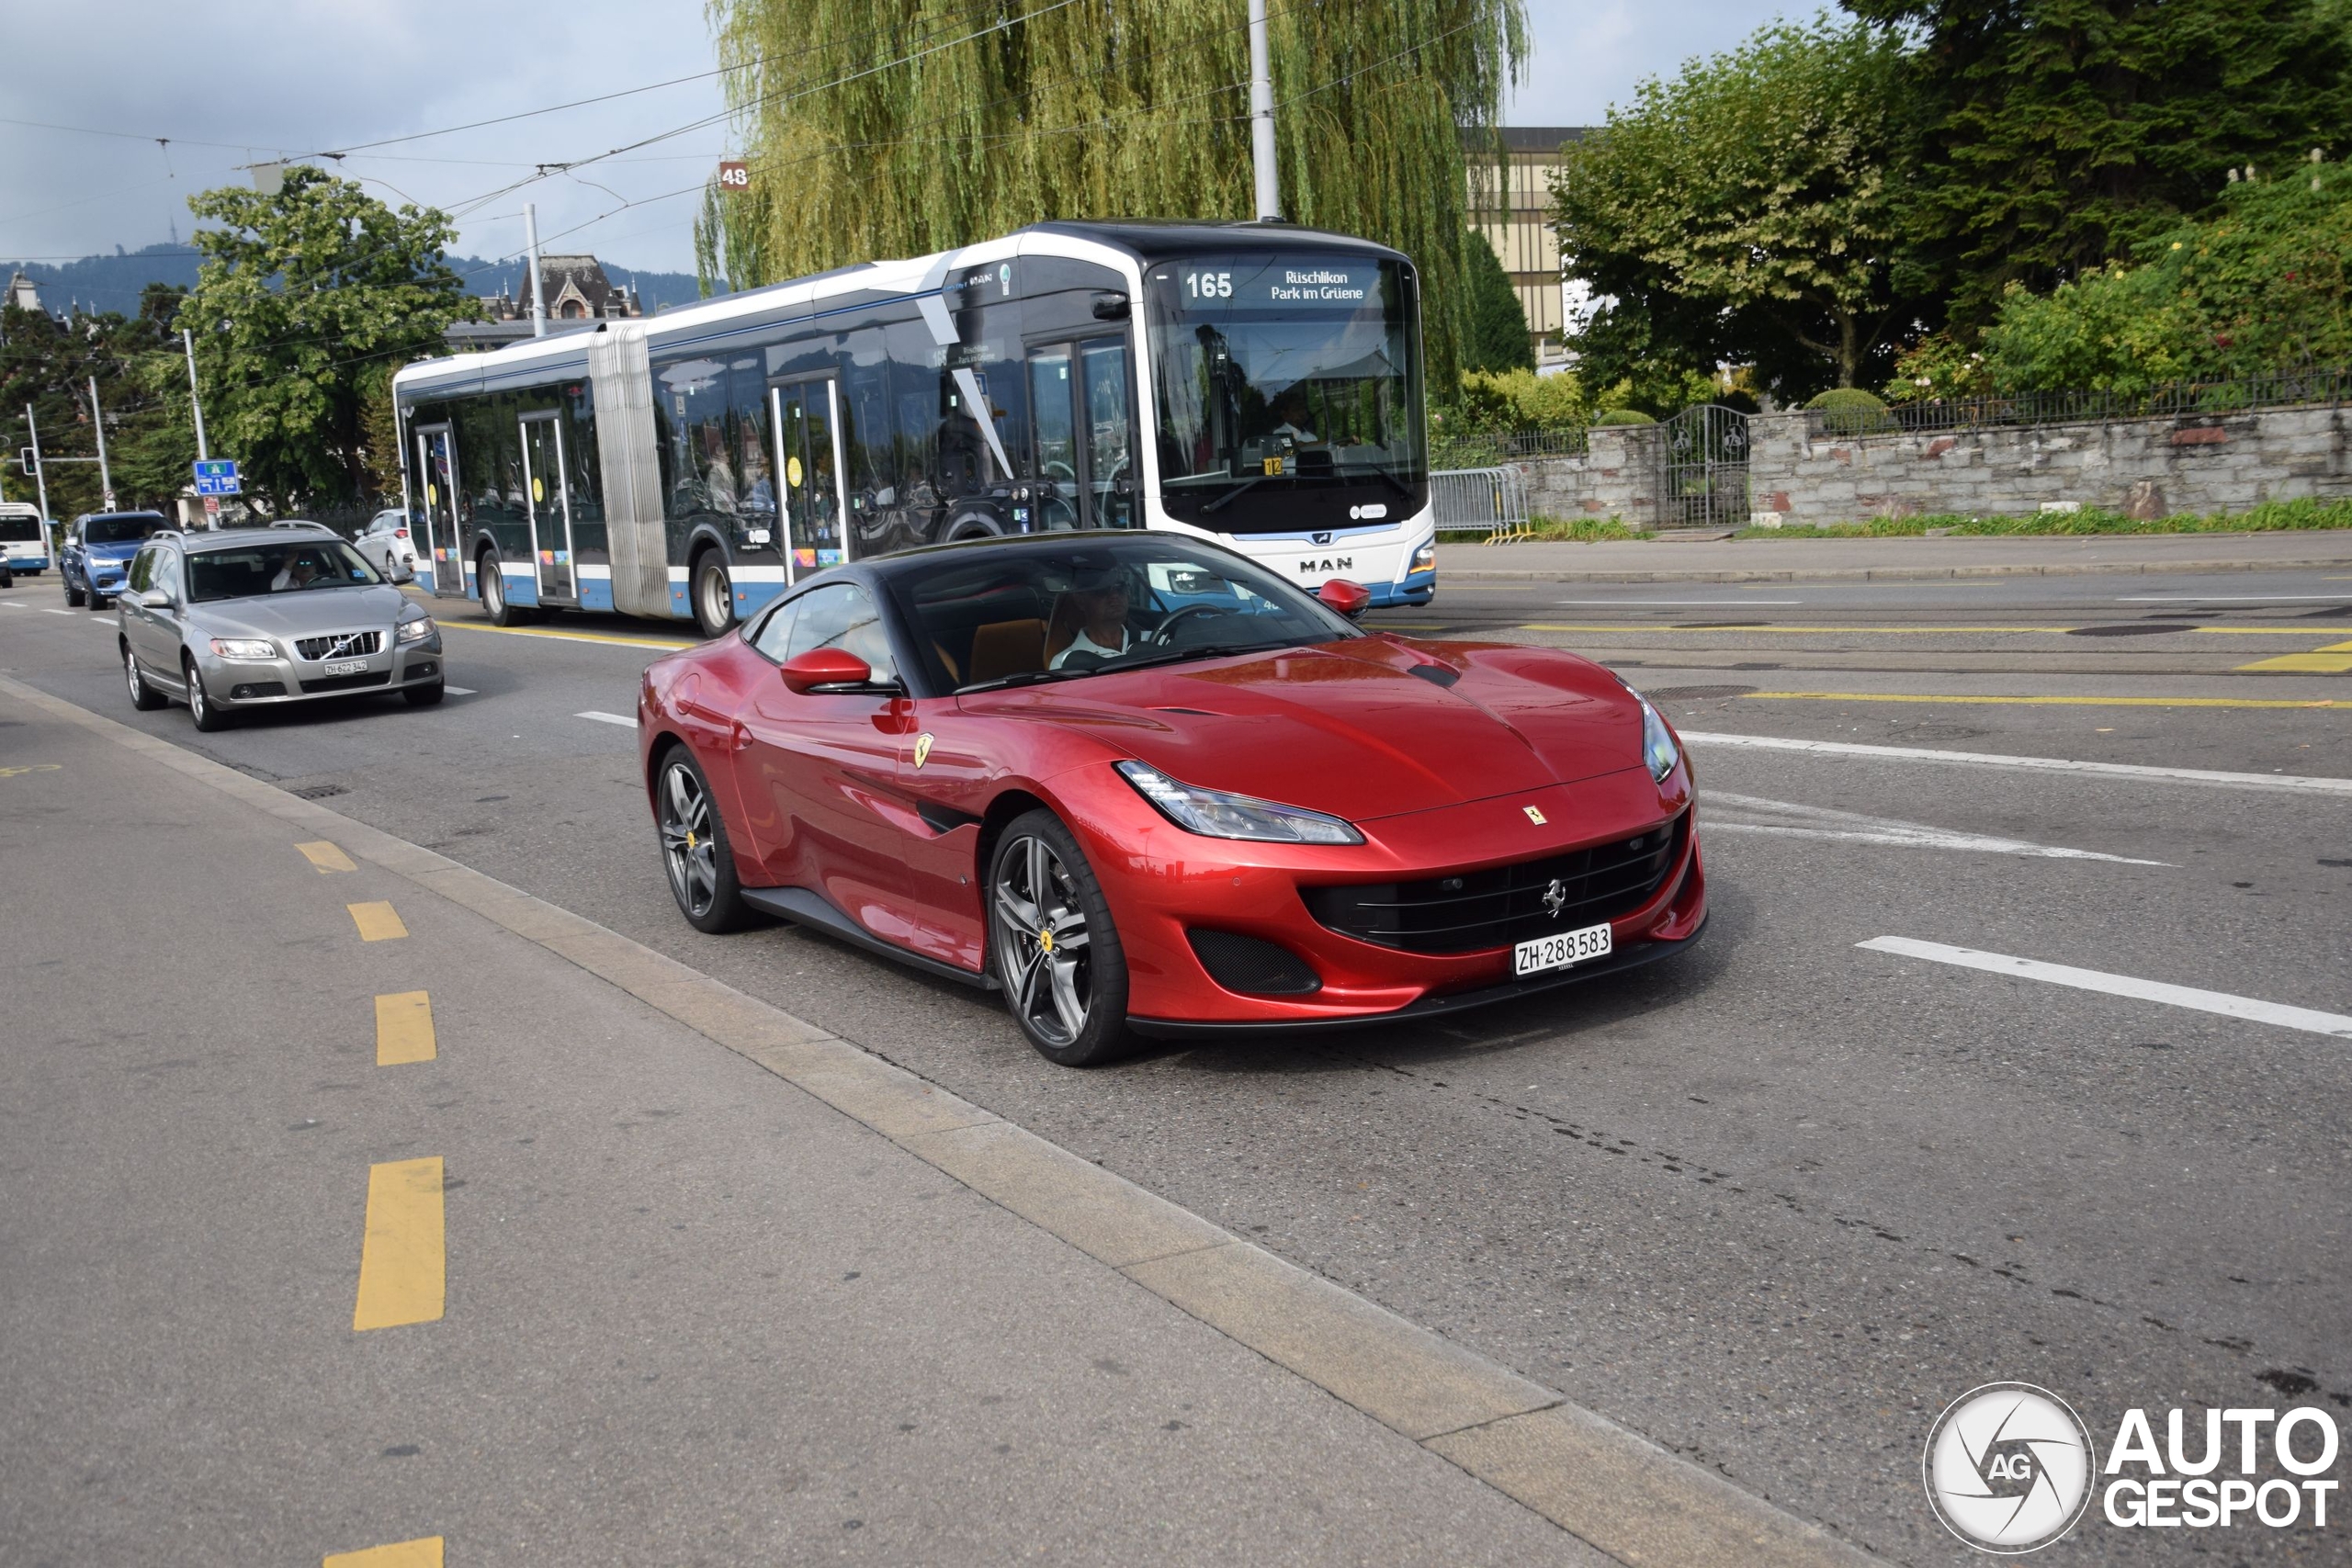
{"type": "Point", "coordinates": [690, 466]}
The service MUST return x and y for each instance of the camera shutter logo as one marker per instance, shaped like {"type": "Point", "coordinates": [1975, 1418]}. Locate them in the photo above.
{"type": "Point", "coordinates": [2008, 1467]}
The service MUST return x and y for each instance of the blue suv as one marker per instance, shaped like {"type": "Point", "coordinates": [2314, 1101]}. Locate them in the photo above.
{"type": "Point", "coordinates": [99, 548]}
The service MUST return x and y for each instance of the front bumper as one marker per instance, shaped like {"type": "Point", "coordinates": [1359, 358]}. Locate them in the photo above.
{"type": "Point", "coordinates": [274, 683]}
{"type": "Point", "coordinates": [1162, 883]}
{"type": "Point", "coordinates": [1418, 588]}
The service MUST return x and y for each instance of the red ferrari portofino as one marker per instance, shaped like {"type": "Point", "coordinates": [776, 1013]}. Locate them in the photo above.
{"type": "Point", "coordinates": [1138, 783]}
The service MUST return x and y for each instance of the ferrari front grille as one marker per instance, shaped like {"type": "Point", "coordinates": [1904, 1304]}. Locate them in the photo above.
{"type": "Point", "coordinates": [1478, 910]}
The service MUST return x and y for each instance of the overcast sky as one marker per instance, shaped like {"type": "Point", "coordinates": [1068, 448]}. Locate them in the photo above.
{"type": "Point", "coordinates": [232, 80]}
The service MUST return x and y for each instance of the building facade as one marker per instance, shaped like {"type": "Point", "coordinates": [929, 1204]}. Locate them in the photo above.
{"type": "Point", "coordinates": [1512, 208]}
{"type": "Point", "coordinates": [578, 294]}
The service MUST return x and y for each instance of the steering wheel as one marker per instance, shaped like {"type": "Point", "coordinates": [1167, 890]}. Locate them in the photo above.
{"type": "Point", "coordinates": [1062, 471]}
{"type": "Point", "coordinates": [1166, 636]}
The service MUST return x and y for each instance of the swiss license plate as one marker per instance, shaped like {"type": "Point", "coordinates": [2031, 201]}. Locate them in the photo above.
{"type": "Point", "coordinates": [346, 667]}
{"type": "Point", "coordinates": [1559, 950]}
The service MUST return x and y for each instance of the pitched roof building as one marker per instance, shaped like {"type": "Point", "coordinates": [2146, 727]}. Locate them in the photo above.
{"type": "Point", "coordinates": [577, 292]}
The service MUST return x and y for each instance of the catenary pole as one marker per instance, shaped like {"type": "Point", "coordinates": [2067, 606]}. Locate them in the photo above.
{"type": "Point", "coordinates": [98, 424]}
{"type": "Point", "coordinates": [195, 403]}
{"type": "Point", "coordinates": [531, 243]}
{"type": "Point", "coordinates": [1261, 118]}
{"type": "Point", "coordinates": [40, 474]}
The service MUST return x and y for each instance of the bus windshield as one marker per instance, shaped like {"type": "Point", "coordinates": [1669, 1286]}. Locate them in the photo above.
{"type": "Point", "coordinates": [1288, 391]}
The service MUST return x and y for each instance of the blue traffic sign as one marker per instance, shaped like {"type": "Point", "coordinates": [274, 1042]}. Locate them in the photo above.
{"type": "Point", "coordinates": [216, 468]}
{"type": "Point", "coordinates": [230, 486]}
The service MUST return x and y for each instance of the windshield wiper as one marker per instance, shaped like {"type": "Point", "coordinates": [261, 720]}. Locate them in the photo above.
{"type": "Point", "coordinates": [1206, 650]}
{"type": "Point", "coordinates": [1024, 678]}
{"type": "Point", "coordinates": [1245, 484]}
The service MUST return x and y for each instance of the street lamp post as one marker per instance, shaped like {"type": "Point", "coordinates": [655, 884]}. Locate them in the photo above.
{"type": "Point", "coordinates": [531, 243]}
{"type": "Point", "coordinates": [41, 473]}
{"type": "Point", "coordinates": [98, 424]}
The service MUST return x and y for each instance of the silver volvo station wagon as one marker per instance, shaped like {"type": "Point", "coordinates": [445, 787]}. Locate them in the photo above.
{"type": "Point", "coordinates": [261, 617]}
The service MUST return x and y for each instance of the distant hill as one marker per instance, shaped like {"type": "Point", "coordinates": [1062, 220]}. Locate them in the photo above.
{"type": "Point", "coordinates": [113, 283]}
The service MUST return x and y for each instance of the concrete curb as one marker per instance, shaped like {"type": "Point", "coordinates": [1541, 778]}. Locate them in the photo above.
{"type": "Point", "coordinates": [1882, 573]}
{"type": "Point", "coordinates": [1611, 1488]}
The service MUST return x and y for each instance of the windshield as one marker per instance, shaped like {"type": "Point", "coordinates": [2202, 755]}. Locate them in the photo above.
{"type": "Point", "coordinates": [126, 530]}
{"type": "Point", "coordinates": [19, 527]}
{"type": "Point", "coordinates": [278, 568]}
{"type": "Point", "coordinates": [1021, 616]}
{"type": "Point", "coordinates": [1289, 391]}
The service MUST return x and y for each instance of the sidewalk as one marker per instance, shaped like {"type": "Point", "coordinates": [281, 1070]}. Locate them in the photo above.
{"type": "Point", "coordinates": [1781, 561]}
{"type": "Point", "coordinates": [714, 1286]}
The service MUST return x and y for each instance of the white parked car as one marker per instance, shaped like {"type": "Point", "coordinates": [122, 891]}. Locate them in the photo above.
{"type": "Point", "coordinates": [385, 544]}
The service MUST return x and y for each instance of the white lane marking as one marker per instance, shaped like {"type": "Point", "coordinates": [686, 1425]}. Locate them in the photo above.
{"type": "Point", "coordinates": [2234, 599]}
{"type": "Point", "coordinates": [2221, 1002]}
{"type": "Point", "coordinates": [607, 719]}
{"type": "Point", "coordinates": [1854, 828]}
{"type": "Point", "coordinates": [460, 690]}
{"type": "Point", "coordinates": [2289, 782]}
{"type": "Point", "coordinates": [1692, 604]}
{"type": "Point", "coordinates": [13, 604]}
{"type": "Point", "coordinates": [54, 610]}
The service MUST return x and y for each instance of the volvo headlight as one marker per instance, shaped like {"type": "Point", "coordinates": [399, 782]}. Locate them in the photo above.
{"type": "Point", "coordinates": [1424, 558]}
{"type": "Point", "coordinates": [1216, 814]}
{"type": "Point", "coordinates": [243, 647]}
{"type": "Point", "coordinates": [1658, 748]}
{"type": "Point", "coordinates": [416, 630]}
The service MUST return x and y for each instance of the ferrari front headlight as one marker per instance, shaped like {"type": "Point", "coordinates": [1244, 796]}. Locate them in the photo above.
{"type": "Point", "coordinates": [1215, 814]}
{"type": "Point", "coordinates": [1658, 748]}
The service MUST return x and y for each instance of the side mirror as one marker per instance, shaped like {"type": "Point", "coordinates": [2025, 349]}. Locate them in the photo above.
{"type": "Point", "coordinates": [402, 572]}
{"type": "Point", "coordinates": [822, 667]}
{"type": "Point", "coordinates": [1350, 599]}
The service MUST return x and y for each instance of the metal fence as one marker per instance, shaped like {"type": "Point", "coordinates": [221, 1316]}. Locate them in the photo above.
{"type": "Point", "coordinates": [1488, 501]}
{"type": "Point", "coordinates": [1508, 446]}
{"type": "Point", "coordinates": [2175, 399]}
{"type": "Point", "coordinates": [1703, 470]}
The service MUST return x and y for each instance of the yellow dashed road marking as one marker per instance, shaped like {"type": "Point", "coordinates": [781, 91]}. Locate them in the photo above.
{"type": "Point", "coordinates": [425, 1553]}
{"type": "Point", "coordinates": [1745, 626]}
{"type": "Point", "coordinates": [404, 1028]}
{"type": "Point", "coordinates": [402, 1268]}
{"type": "Point", "coordinates": [571, 636]}
{"type": "Point", "coordinates": [377, 921]}
{"type": "Point", "coordinates": [2048, 701]}
{"type": "Point", "coordinates": [29, 768]}
{"type": "Point", "coordinates": [2335, 660]}
{"type": "Point", "coordinates": [326, 857]}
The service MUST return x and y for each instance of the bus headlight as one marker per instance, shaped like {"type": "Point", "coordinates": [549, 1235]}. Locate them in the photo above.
{"type": "Point", "coordinates": [1424, 558]}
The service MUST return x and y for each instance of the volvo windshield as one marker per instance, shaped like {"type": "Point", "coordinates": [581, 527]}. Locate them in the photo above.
{"type": "Point", "coordinates": [1288, 390]}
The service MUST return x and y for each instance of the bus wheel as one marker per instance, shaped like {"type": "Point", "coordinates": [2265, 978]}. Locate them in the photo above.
{"type": "Point", "coordinates": [499, 609]}
{"type": "Point", "coordinates": [714, 594]}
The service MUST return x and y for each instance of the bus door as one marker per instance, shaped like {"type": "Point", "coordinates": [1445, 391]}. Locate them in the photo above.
{"type": "Point", "coordinates": [445, 542]}
{"type": "Point", "coordinates": [809, 458]}
{"type": "Point", "coordinates": [550, 504]}
{"type": "Point", "coordinates": [1082, 412]}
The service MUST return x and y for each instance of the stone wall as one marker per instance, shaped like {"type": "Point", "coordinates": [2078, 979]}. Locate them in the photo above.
{"type": "Point", "coordinates": [2147, 468]}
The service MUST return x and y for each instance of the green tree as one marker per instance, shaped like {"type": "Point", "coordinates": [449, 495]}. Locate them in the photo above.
{"type": "Point", "coordinates": [2256, 289]}
{"type": "Point", "coordinates": [2051, 135]}
{"type": "Point", "coordinates": [910, 126]}
{"type": "Point", "coordinates": [303, 298]}
{"type": "Point", "coordinates": [1496, 324]}
{"type": "Point", "coordinates": [1744, 211]}
{"type": "Point", "coordinates": [48, 362]}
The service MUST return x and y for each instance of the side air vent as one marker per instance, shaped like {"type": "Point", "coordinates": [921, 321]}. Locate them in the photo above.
{"type": "Point", "coordinates": [1252, 967]}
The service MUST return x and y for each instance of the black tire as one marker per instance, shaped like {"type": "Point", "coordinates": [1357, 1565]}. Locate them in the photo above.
{"type": "Point", "coordinates": [424, 696]}
{"type": "Point", "coordinates": [98, 603]}
{"type": "Point", "coordinates": [208, 715]}
{"type": "Point", "coordinates": [1068, 998]}
{"type": "Point", "coordinates": [491, 584]}
{"type": "Point", "coordinates": [143, 697]}
{"type": "Point", "coordinates": [697, 858]}
{"type": "Point", "coordinates": [72, 594]}
{"type": "Point", "coordinates": [713, 594]}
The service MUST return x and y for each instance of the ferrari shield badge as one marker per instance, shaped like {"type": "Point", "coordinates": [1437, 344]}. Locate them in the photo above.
{"type": "Point", "coordinates": [1533, 815]}
{"type": "Point", "coordinates": [922, 747]}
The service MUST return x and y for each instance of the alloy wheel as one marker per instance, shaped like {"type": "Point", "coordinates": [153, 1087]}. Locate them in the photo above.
{"type": "Point", "coordinates": [1042, 938]}
{"type": "Point", "coordinates": [689, 850]}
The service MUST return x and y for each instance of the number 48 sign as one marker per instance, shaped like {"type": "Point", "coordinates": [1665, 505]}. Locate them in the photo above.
{"type": "Point", "coordinates": [734, 175]}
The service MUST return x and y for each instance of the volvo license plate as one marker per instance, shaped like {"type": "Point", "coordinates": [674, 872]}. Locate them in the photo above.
{"type": "Point", "coordinates": [1560, 949]}
{"type": "Point", "coordinates": [346, 667]}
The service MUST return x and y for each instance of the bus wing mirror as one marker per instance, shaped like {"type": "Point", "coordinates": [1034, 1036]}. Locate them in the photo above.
{"type": "Point", "coordinates": [1350, 599]}
{"type": "Point", "coordinates": [1110, 306]}
{"type": "Point", "coordinates": [822, 667]}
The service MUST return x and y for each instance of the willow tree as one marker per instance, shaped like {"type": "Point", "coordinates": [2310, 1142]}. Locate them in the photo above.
{"type": "Point", "coordinates": [881, 128]}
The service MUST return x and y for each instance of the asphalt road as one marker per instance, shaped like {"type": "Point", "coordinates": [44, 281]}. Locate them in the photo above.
{"type": "Point", "coordinates": [1773, 1205]}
